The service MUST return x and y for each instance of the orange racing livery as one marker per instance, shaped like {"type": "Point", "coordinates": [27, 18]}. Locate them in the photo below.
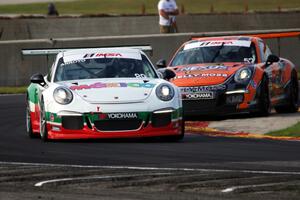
{"type": "Point", "coordinates": [233, 74]}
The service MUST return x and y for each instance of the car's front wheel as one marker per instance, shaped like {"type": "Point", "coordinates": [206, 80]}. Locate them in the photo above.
{"type": "Point", "coordinates": [292, 97]}
{"type": "Point", "coordinates": [43, 122]}
{"type": "Point", "coordinates": [28, 121]}
{"type": "Point", "coordinates": [175, 138]}
{"type": "Point", "coordinates": [264, 102]}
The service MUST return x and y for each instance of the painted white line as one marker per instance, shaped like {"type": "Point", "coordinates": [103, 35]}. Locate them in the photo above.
{"type": "Point", "coordinates": [151, 168]}
{"type": "Point", "coordinates": [39, 184]}
{"type": "Point", "coordinates": [231, 189]}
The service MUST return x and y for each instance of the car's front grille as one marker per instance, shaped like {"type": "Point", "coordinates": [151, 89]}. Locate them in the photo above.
{"type": "Point", "coordinates": [72, 122]}
{"type": "Point", "coordinates": [118, 125]}
{"type": "Point", "coordinates": [161, 119]}
{"type": "Point", "coordinates": [199, 106]}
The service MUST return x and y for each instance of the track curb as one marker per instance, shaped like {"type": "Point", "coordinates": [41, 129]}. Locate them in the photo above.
{"type": "Point", "coordinates": [202, 128]}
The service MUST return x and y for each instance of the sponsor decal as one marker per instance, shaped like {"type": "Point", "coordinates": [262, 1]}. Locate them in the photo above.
{"type": "Point", "coordinates": [73, 62]}
{"type": "Point", "coordinates": [202, 68]}
{"type": "Point", "coordinates": [99, 85]}
{"type": "Point", "coordinates": [200, 44]}
{"type": "Point", "coordinates": [102, 116]}
{"type": "Point", "coordinates": [98, 108]}
{"type": "Point", "coordinates": [197, 96]}
{"type": "Point", "coordinates": [204, 75]}
{"type": "Point", "coordinates": [104, 55]}
{"type": "Point", "coordinates": [52, 118]}
{"type": "Point", "coordinates": [122, 116]}
{"type": "Point", "coordinates": [202, 88]}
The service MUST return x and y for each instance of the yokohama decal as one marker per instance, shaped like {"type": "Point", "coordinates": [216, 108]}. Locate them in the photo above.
{"type": "Point", "coordinates": [122, 116]}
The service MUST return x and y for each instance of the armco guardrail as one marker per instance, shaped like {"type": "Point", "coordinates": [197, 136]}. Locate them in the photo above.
{"type": "Point", "coordinates": [39, 27]}
{"type": "Point", "coordinates": [16, 69]}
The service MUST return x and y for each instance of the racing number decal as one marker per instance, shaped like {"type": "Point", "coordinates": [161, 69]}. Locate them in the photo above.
{"type": "Point", "coordinates": [140, 75]}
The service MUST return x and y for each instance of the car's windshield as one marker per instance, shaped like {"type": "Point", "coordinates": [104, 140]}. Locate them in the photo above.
{"type": "Point", "coordinates": [104, 68]}
{"type": "Point", "coordinates": [196, 53]}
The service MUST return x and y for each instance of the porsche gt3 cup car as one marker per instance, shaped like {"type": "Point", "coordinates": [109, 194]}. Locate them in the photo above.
{"type": "Point", "coordinates": [103, 93]}
{"type": "Point", "coordinates": [233, 74]}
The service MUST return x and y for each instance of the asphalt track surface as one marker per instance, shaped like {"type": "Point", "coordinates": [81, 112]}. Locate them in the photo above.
{"type": "Point", "coordinates": [199, 167]}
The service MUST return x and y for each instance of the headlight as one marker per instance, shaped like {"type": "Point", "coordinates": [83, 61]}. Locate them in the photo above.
{"type": "Point", "coordinates": [62, 95]}
{"type": "Point", "coordinates": [242, 75]}
{"type": "Point", "coordinates": [165, 92]}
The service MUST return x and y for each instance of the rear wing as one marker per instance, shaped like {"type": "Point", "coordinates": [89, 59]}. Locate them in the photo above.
{"type": "Point", "coordinates": [264, 34]}
{"type": "Point", "coordinates": [47, 52]}
{"type": "Point", "coordinates": [276, 35]}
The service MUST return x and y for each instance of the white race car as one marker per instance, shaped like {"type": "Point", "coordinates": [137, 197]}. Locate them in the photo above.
{"type": "Point", "coordinates": [103, 93]}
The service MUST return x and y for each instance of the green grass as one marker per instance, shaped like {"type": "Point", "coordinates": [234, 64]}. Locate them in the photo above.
{"type": "Point", "coordinates": [293, 131]}
{"type": "Point", "coordinates": [13, 90]}
{"type": "Point", "coordinates": [134, 6]}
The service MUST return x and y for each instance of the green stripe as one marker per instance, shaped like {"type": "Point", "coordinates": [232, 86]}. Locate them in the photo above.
{"type": "Point", "coordinates": [32, 93]}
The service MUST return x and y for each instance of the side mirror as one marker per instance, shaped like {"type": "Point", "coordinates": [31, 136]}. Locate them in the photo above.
{"type": "Point", "coordinates": [271, 59]}
{"type": "Point", "coordinates": [169, 74]}
{"type": "Point", "coordinates": [38, 79]}
{"type": "Point", "coordinates": [161, 63]}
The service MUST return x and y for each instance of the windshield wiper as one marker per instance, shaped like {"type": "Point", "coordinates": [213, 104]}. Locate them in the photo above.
{"type": "Point", "coordinates": [217, 53]}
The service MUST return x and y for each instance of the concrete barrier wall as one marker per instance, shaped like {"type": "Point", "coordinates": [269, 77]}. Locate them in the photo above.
{"type": "Point", "coordinates": [17, 69]}
{"type": "Point", "coordinates": [62, 27]}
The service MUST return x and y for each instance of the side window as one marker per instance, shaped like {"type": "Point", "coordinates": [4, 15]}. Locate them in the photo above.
{"type": "Point", "coordinates": [58, 74]}
{"type": "Point", "coordinates": [50, 73]}
{"type": "Point", "coordinates": [268, 52]}
{"type": "Point", "coordinates": [253, 53]}
{"type": "Point", "coordinates": [264, 51]}
{"type": "Point", "coordinates": [147, 68]}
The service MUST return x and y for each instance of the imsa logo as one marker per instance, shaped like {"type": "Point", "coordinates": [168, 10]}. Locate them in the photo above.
{"type": "Point", "coordinates": [202, 95]}
{"type": "Point", "coordinates": [122, 116]}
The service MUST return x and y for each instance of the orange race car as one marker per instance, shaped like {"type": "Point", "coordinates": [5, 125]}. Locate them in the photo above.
{"type": "Point", "coordinates": [233, 74]}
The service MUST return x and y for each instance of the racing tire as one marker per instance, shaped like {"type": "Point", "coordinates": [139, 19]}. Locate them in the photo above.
{"type": "Point", "coordinates": [176, 138]}
{"type": "Point", "coordinates": [28, 121]}
{"type": "Point", "coordinates": [292, 99]}
{"type": "Point", "coordinates": [43, 122]}
{"type": "Point", "coordinates": [264, 102]}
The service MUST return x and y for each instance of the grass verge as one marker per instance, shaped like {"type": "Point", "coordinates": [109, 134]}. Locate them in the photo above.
{"type": "Point", "coordinates": [136, 6]}
{"type": "Point", "coordinates": [293, 131]}
{"type": "Point", "coordinates": [13, 90]}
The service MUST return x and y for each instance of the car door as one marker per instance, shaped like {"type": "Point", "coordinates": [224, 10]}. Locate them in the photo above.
{"type": "Point", "coordinates": [275, 71]}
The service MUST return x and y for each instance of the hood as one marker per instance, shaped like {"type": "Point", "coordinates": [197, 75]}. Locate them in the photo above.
{"type": "Point", "coordinates": [112, 90]}
{"type": "Point", "coordinates": [204, 74]}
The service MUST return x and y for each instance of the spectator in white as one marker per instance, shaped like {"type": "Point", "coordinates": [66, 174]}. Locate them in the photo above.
{"type": "Point", "coordinates": [167, 10]}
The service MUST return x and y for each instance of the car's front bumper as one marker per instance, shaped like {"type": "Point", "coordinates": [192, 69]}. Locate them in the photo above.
{"type": "Point", "coordinates": [223, 103]}
{"type": "Point", "coordinates": [99, 125]}
{"type": "Point", "coordinates": [173, 128]}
